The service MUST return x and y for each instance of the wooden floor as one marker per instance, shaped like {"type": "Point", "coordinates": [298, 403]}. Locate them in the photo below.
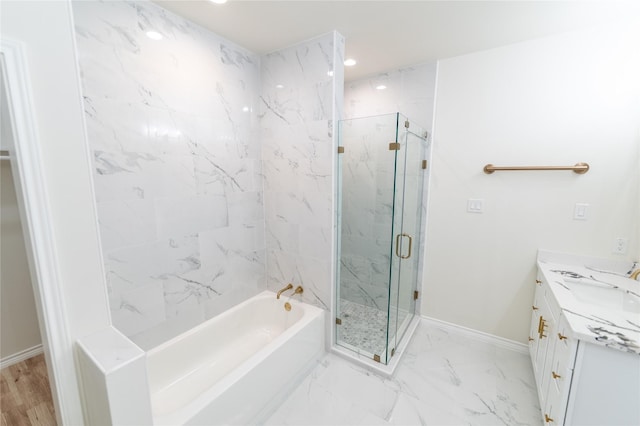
{"type": "Point", "coordinates": [25, 396]}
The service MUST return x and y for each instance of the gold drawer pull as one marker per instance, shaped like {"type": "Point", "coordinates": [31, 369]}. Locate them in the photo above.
{"type": "Point", "coordinates": [538, 282]}
{"type": "Point", "coordinates": [542, 324]}
{"type": "Point", "coordinates": [555, 375]}
{"type": "Point", "coordinates": [535, 308]}
{"type": "Point", "coordinates": [561, 337]}
{"type": "Point", "coordinates": [547, 418]}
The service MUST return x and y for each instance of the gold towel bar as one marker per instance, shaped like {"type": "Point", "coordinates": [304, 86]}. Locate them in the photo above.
{"type": "Point", "coordinates": [580, 168]}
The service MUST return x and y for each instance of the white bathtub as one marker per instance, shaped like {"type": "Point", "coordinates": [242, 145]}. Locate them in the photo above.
{"type": "Point", "coordinates": [233, 368]}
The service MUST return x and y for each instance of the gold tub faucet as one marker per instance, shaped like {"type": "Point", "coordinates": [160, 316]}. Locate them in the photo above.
{"type": "Point", "coordinates": [288, 287]}
{"type": "Point", "coordinates": [298, 290]}
{"type": "Point", "coordinates": [634, 275]}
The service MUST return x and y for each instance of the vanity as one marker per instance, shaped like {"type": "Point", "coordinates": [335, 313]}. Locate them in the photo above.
{"type": "Point", "coordinates": [584, 341]}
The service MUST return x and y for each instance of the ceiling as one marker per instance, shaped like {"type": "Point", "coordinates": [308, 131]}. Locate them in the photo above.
{"type": "Point", "coordinates": [386, 35]}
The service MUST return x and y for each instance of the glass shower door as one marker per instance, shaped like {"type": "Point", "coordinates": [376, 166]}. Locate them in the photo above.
{"type": "Point", "coordinates": [379, 222]}
{"type": "Point", "coordinates": [407, 230]}
{"type": "Point", "coordinates": [366, 169]}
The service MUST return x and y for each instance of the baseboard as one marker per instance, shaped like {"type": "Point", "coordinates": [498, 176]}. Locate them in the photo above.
{"type": "Point", "coordinates": [20, 356]}
{"type": "Point", "coordinates": [480, 335]}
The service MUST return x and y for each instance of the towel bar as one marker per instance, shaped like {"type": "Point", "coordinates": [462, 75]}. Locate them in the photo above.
{"type": "Point", "coordinates": [580, 168]}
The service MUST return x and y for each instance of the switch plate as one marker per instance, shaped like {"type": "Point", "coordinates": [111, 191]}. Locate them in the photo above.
{"type": "Point", "coordinates": [620, 245]}
{"type": "Point", "coordinates": [475, 205]}
{"type": "Point", "coordinates": [581, 211]}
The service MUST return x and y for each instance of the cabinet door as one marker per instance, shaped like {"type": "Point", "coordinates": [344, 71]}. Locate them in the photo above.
{"type": "Point", "coordinates": [553, 412]}
{"type": "Point", "coordinates": [534, 338]}
{"type": "Point", "coordinates": [559, 373]}
{"type": "Point", "coordinates": [547, 343]}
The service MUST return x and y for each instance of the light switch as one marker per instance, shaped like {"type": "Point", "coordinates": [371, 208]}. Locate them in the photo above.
{"type": "Point", "coordinates": [475, 205]}
{"type": "Point", "coordinates": [581, 211]}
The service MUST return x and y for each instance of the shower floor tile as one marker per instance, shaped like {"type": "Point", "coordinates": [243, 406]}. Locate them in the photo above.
{"type": "Point", "coordinates": [364, 328]}
{"type": "Point", "coordinates": [444, 378]}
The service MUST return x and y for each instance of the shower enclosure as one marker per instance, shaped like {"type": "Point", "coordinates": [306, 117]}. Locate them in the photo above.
{"type": "Point", "coordinates": [381, 166]}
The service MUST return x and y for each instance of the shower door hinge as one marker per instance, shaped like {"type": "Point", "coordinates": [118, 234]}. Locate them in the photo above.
{"type": "Point", "coordinates": [338, 321]}
{"type": "Point", "coordinates": [424, 164]}
{"type": "Point", "coordinates": [394, 146]}
{"type": "Point", "coordinates": [406, 124]}
{"type": "Point", "coordinates": [416, 294]}
{"type": "Point", "coordinates": [341, 150]}
{"type": "Point", "coordinates": [376, 358]}
{"type": "Point", "coordinates": [393, 351]}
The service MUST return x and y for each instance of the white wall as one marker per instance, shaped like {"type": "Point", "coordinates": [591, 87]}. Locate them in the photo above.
{"type": "Point", "coordinates": [19, 329]}
{"type": "Point", "coordinates": [46, 30]}
{"type": "Point", "coordinates": [19, 319]}
{"type": "Point", "coordinates": [554, 101]}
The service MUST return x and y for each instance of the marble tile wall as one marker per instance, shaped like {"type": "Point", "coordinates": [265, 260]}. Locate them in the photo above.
{"type": "Point", "coordinates": [173, 128]}
{"type": "Point", "coordinates": [410, 91]}
{"type": "Point", "coordinates": [301, 97]}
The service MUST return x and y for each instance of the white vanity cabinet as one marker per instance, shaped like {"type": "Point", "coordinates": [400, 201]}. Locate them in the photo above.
{"type": "Point", "coordinates": [558, 373]}
{"type": "Point", "coordinates": [552, 350]}
{"type": "Point", "coordinates": [579, 382]}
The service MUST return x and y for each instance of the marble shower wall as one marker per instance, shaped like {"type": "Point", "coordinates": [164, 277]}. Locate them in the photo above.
{"type": "Point", "coordinates": [173, 128]}
{"type": "Point", "coordinates": [301, 97]}
{"type": "Point", "coordinates": [410, 91]}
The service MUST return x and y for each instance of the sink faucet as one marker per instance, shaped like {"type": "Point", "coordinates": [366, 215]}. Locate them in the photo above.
{"type": "Point", "coordinates": [288, 287]}
{"type": "Point", "coordinates": [633, 272]}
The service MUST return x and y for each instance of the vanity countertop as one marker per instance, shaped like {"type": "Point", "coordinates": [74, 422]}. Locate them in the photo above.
{"type": "Point", "coordinates": [600, 304]}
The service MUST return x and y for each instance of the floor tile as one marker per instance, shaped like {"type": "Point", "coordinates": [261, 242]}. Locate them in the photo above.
{"type": "Point", "coordinates": [444, 378]}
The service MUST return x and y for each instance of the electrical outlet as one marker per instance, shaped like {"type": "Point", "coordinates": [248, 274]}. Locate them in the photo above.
{"type": "Point", "coordinates": [620, 245]}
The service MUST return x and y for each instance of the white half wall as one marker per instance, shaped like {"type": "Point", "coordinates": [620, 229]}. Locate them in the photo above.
{"type": "Point", "coordinates": [553, 101]}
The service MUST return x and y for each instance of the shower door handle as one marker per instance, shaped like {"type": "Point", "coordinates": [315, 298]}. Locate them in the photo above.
{"type": "Point", "coordinates": [398, 246]}
{"type": "Point", "coordinates": [410, 244]}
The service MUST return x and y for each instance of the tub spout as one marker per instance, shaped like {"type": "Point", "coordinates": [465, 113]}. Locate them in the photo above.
{"type": "Point", "coordinates": [288, 287]}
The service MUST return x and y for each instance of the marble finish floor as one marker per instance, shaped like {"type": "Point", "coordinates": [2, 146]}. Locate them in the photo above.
{"type": "Point", "coordinates": [444, 378]}
{"type": "Point", "coordinates": [364, 328]}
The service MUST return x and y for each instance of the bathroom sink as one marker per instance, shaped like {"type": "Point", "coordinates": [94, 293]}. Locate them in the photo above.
{"type": "Point", "coordinates": [606, 296]}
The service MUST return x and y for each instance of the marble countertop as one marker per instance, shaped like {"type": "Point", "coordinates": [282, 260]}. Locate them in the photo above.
{"type": "Point", "coordinates": [601, 305]}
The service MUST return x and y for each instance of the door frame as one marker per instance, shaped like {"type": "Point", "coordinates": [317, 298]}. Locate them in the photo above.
{"type": "Point", "coordinates": [33, 202]}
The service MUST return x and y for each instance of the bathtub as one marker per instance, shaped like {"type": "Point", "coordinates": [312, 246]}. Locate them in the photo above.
{"type": "Point", "coordinates": [236, 367]}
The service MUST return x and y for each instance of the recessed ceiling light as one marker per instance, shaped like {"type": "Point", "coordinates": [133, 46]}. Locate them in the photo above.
{"type": "Point", "coordinates": [218, 1]}
{"type": "Point", "coordinates": [349, 62]}
{"type": "Point", "coordinates": [154, 35]}
{"type": "Point", "coordinates": [381, 87]}
{"type": "Point", "coordinates": [279, 86]}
